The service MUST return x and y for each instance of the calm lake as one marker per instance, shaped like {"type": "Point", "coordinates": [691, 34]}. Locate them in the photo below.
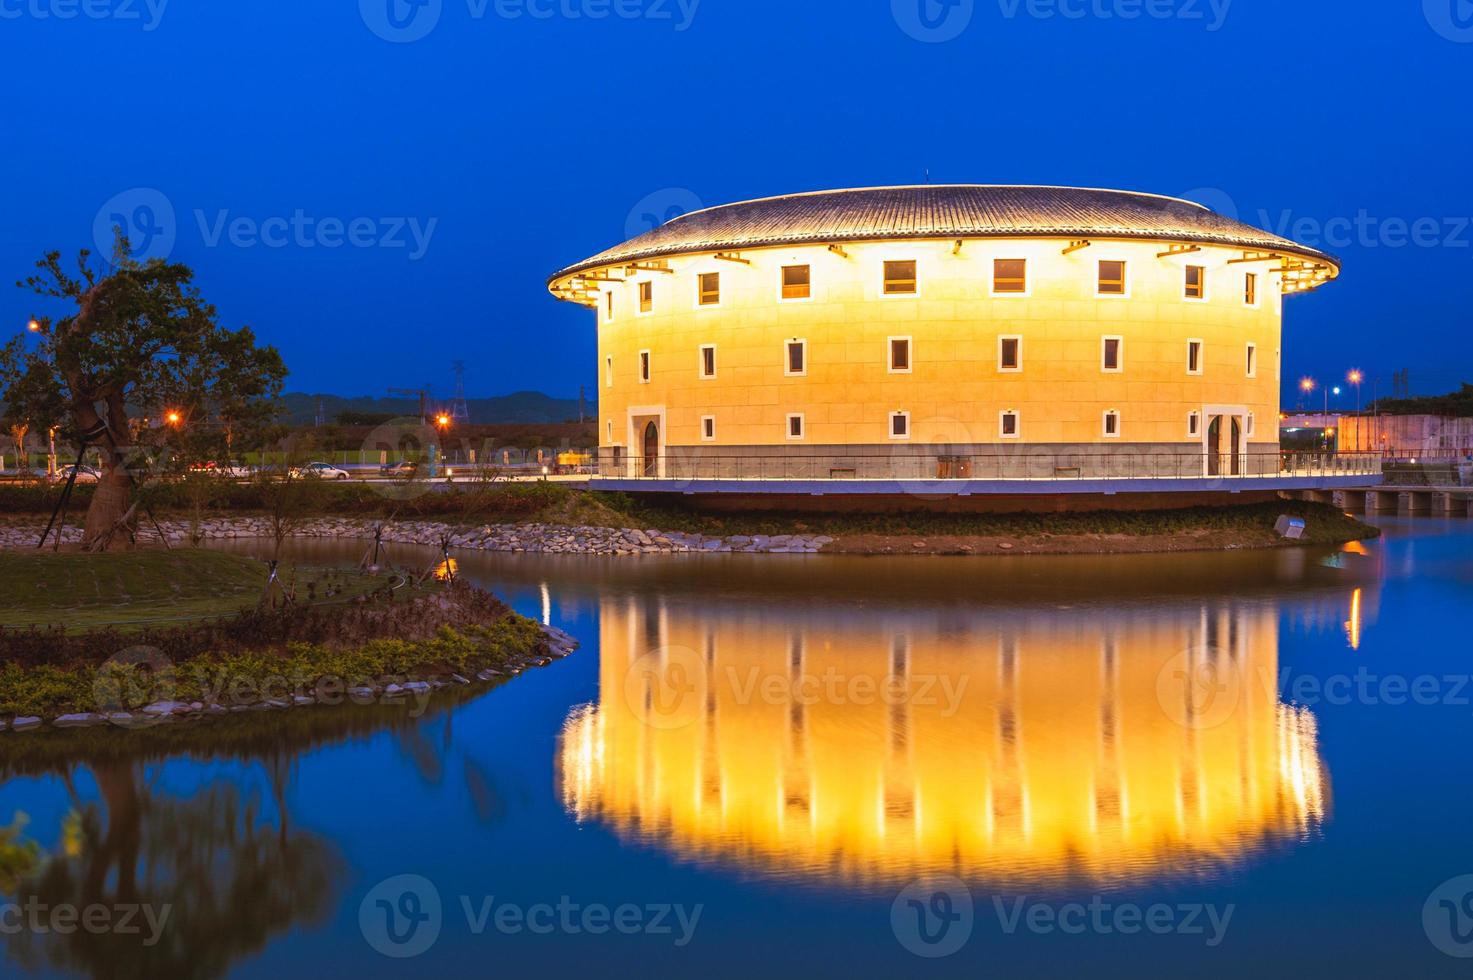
{"type": "Point", "coordinates": [1220, 764]}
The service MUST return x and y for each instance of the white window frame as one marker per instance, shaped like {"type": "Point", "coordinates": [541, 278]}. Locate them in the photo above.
{"type": "Point", "coordinates": [1201, 355]}
{"type": "Point", "coordinates": [609, 371]}
{"type": "Point", "coordinates": [1250, 426]}
{"type": "Point", "coordinates": [720, 292]}
{"type": "Point", "coordinates": [711, 436]}
{"type": "Point", "coordinates": [1027, 277]}
{"type": "Point", "coordinates": [788, 427]}
{"type": "Point", "coordinates": [646, 367]}
{"type": "Point", "coordinates": [1002, 432]}
{"type": "Point", "coordinates": [1257, 289]}
{"type": "Point", "coordinates": [1119, 367]}
{"type": "Point", "coordinates": [609, 306]}
{"type": "Point", "coordinates": [1205, 293]}
{"type": "Point", "coordinates": [910, 355]}
{"type": "Point", "coordinates": [890, 425]}
{"type": "Point", "coordinates": [1250, 357]}
{"type": "Point", "coordinates": [701, 362]}
{"type": "Point", "coordinates": [1126, 273]}
{"type": "Point", "coordinates": [1001, 369]}
{"type": "Point", "coordinates": [611, 431]}
{"type": "Point", "coordinates": [787, 360]}
{"type": "Point", "coordinates": [885, 293]}
{"type": "Point", "coordinates": [1194, 425]}
{"type": "Point", "coordinates": [795, 299]}
{"type": "Point", "coordinates": [639, 309]}
{"type": "Point", "coordinates": [1105, 423]}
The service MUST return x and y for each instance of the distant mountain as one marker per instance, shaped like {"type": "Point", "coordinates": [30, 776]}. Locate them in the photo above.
{"type": "Point", "coordinates": [531, 407]}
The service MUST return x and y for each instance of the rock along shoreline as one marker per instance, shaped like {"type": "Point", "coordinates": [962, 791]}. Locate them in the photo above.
{"type": "Point", "coordinates": [401, 691]}
{"type": "Point", "coordinates": [554, 539]}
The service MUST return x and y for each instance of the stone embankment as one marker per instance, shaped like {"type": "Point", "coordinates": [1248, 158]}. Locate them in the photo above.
{"type": "Point", "coordinates": [325, 691]}
{"type": "Point", "coordinates": [535, 538]}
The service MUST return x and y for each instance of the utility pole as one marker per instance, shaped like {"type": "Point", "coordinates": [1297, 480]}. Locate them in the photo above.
{"type": "Point", "coordinates": [582, 415]}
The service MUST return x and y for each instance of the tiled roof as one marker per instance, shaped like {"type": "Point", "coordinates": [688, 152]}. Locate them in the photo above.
{"type": "Point", "coordinates": [942, 212]}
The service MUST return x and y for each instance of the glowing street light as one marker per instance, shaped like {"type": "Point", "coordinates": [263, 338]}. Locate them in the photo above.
{"type": "Point", "coordinates": [442, 420]}
{"type": "Point", "coordinates": [1355, 377]}
{"type": "Point", "coordinates": [34, 326]}
{"type": "Point", "coordinates": [173, 417]}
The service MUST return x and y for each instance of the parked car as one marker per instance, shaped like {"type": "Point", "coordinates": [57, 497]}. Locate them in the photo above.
{"type": "Point", "coordinates": [85, 474]}
{"type": "Point", "coordinates": [321, 471]}
{"type": "Point", "coordinates": [403, 470]}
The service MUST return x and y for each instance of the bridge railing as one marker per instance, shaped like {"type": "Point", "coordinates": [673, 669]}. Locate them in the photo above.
{"type": "Point", "coordinates": [1014, 466]}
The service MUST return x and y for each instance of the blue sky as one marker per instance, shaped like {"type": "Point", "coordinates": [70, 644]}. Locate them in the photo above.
{"type": "Point", "coordinates": [379, 204]}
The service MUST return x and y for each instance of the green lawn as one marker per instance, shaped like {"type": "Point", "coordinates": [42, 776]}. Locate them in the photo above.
{"type": "Point", "coordinates": [133, 588]}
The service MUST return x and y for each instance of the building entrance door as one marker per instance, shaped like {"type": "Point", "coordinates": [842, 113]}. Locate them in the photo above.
{"type": "Point", "coordinates": [651, 450]}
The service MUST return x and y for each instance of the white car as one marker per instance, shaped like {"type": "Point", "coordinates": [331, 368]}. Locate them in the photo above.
{"type": "Point", "coordinates": [321, 471]}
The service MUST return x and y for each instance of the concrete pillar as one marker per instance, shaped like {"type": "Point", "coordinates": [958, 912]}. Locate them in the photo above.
{"type": "Point", "coordinates": [1351, 500]}
{"type": "Point", "coordinates": [1382, 501]}
{"type": "Point", "coordinates": [1445, 504]}
{"type": "Point", "coordinates": [1415, 502]}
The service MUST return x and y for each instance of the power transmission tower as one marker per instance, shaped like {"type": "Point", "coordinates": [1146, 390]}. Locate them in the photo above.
{"type": "Point", "coordinates": [582, 414]}
{"type": "Point", "coordinates": [460, 410]}
{"type": "Point", "coordinates": [321, 415]}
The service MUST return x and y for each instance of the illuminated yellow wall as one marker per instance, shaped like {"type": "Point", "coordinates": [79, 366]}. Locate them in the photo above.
{"type": "Point", "coordinates": [1060, 747]}
{"type": "Point", "coordinates": [955, 391]}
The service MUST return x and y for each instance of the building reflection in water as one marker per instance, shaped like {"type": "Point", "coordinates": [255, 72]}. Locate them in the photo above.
{"type": "Point", "coordinates": [1047, 745]}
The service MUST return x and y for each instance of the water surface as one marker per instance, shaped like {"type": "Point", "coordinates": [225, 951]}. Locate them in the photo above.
{"type": "Point", "coordinates": [788, 743]}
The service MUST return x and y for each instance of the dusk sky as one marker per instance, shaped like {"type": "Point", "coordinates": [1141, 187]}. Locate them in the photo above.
{"type": "Point", "coordinates": [501, 146]}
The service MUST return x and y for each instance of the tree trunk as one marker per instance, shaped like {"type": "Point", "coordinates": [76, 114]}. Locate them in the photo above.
{"type": "Point", "coordinates": [109, 506]}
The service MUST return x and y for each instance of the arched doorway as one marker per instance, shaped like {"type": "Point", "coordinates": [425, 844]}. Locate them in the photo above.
{"type": "Point", "coordinates": [651, 450]}
{"type": "Point", "coordinates": [1214, 446]}
{"type": "Point", "coordinates": [1235, 447]}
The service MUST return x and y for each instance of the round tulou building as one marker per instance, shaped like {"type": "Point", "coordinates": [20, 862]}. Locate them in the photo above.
{"type": "Point", "coordinates": [962, 340]}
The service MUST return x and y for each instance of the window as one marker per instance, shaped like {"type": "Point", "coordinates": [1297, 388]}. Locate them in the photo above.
{"type": "Point", "coordinates": [899, 355]}
{"type": "Point", "coordinates": [1010, 353]}
{"type": "Point", "coordinates": [797, 282]}
{"type": "Point", "coordinates": [608, 372]}
{"type": "Point", "coordinates": [796, 363]}
{"type": "Point", "coordinates": [1250, 289]}
{"type": "Point", "coordinates": [644, 366]}
{"type": "Point", "coordinates": [708, 428]}
{"type": "Point", "coordinates": [611, 430]}
{"type": "Point", "coordinates": [1007, 424]}
{"type": "Point", "coordinates": [1010, 275]}
{"type": "Point", "coordinates": [646, 296]}
{"type": "Point", "coordinates": [1194, 424]}
{"type": "Point", "coordinates": [1110, 353]}
{"type": "Point", "coordinates": [609, 305]}
{"type": "Point", "coordinates": [1196, 282]}
{"type": "Point", "coordinates": [899, 425]}
{"type": "Point", "coordinates": [708, 360]}
{"type": "Point", "coordinates": [1112, 424]}
{"type": "Point", "coordinates": [795, 426]}
{"type": "Point", "coordinates": [1112, 278]}
{"type": "Point", "coordinates": [1249, 426]}
{"type": "Point", "coordinates": [1252, 361]}
{"type": "Point", "coordinates": [709, 288]}
{"type": "Point", "coordinates": [900, 277]}
{"type": "Point", "coordinates": [1194, 357]}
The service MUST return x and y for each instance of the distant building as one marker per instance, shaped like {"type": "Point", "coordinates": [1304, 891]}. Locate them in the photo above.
{"type": "Point", "coordinates": [933, 333]}
{"type": "Point", "coordinates": [1407, 436]}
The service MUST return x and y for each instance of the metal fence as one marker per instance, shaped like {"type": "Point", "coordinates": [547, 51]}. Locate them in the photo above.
{"type": "Point", "coordinates": [1028, 466]}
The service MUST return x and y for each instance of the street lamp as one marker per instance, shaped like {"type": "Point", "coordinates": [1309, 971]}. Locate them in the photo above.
{"type": "Point", "coordinates": [173, 417]}
{"type": "Point", "coordinates": [34, 326]}
{"type": "Point", "coordinates": [1355, 377]}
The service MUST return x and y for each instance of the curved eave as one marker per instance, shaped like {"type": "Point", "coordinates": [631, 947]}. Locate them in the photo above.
{"type": "Point", "coordinates": [1303, 268]}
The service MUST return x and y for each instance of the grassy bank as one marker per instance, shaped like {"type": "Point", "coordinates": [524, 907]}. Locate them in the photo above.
{"type": "Point", "coordinates": [101, 657]}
